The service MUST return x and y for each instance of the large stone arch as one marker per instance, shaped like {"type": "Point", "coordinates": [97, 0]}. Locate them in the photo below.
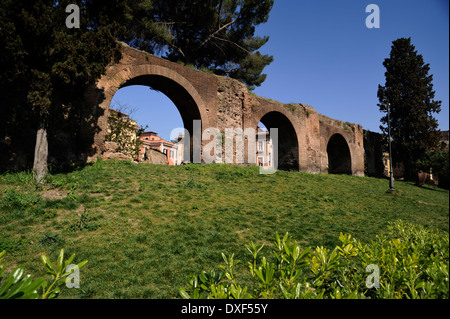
{"type": "Point", "coordinates": [176, 87]}
{"type": "Point", "coordinates": [158, 77]}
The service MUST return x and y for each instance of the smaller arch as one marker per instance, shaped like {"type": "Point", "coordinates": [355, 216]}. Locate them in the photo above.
{"type": "Point", "coordinates": [339, 156]}
{"type": "Point", "coordinates": [288, 142]}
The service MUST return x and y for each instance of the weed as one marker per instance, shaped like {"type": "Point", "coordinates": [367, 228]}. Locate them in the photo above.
{"type": "Point", "coordinates": [15, 199]}
{"type": "Point", "coordinates": [291, 107]}
{"type": "Point", "coordinates": [12, 244]}
{"type": "Point", "coordinates": [192, 183]}
{"type": "Point", "coordinates": [50, 239]}
{"type": "Point", "coordinates": [84, 223]}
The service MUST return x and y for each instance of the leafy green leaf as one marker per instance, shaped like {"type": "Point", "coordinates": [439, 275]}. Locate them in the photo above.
{"type": "Point", "coordinates": [48, 265]}
{"type": "Point", "coordinates": [81, 264]}
{"type": "Point", "coordinates": [184, 294]}
{"type": "Point", "coordinates": [60, 260]}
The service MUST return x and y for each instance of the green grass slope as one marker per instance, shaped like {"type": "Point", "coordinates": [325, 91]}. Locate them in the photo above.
{"type": "Point", "coordinates": [145, 229]}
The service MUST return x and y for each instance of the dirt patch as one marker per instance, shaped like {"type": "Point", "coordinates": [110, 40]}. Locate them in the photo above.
{"type": "Point", "coordinates": [53, 194]}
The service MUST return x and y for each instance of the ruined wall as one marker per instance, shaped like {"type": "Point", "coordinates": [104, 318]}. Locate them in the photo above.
{"type": "Point", "coordinates": [353, 134]}
{"type": "Point", "coordinates": [192, 91]}
{"type": "Point", "coordinates": [231, 103]}
{"type": "Point", "coordinates": [222, 103]}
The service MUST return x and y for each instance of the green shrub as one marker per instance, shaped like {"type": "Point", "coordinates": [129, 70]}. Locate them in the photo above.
{"type": "Point", "coordinates": [412, 260]}
{"type": "Point", "coordinates": [21, 286]}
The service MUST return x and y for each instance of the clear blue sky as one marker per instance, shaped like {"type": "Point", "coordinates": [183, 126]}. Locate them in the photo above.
{"type": "Point", "coordinates": [326, 57]}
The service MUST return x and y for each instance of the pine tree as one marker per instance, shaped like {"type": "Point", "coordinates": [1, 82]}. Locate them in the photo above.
{"type": "Point", "coordinates": [218, 35]}
{"type": "Point", "coordinates": [409, 90]}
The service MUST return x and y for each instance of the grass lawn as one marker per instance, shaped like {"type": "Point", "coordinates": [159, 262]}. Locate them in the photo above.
{"type": "Point", "coordinates": [145, 229]}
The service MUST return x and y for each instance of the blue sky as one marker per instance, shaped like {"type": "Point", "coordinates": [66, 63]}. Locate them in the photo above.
{"type": "Point", "coordinates": [326, 57]}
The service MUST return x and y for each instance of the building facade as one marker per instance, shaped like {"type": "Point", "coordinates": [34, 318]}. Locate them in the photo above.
{"type": "Point", "coordinates": [264, 149]}
{"type": "Point", "coordinates": [151, 140]}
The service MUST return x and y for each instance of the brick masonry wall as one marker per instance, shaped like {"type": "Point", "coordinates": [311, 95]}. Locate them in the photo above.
{"type": "Point", "coordinates": [222, 103]}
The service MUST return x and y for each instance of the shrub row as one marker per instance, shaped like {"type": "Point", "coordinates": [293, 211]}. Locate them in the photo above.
{"type": "Point", "coordinates": [410, 261]}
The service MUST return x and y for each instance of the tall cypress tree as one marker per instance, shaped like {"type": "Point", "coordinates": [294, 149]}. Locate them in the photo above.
{"type": "Point", "coordinates": [409, 90]}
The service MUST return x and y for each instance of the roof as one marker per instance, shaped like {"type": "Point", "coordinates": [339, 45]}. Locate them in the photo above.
{"type": "Point", "coordinates": [149, 133]}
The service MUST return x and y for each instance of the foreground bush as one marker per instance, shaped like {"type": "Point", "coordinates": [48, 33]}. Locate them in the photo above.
{"type": "Point", "coordinates": [409, 262]}
{"type": "Point", "coordinates": [21, 286]}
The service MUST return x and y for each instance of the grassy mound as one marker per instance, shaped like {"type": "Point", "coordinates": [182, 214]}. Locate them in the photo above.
{"type": "Point", "coordinates": [145, 229]}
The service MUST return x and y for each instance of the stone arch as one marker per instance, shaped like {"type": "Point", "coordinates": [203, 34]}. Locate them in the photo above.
{"type": "Point", "coordinates": [177, 88]}
{"type": "Point", "coordinates": [288, 135]}
{"type": "Point", "coordinates": [339, 155]}
{"type": "Point", "coordinates": [158, 77]}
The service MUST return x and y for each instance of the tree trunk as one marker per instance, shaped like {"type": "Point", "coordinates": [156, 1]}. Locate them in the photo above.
{"type": "Point", "coordinates": [40, 154]}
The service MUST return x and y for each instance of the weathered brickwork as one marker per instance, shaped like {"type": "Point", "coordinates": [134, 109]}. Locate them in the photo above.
{"type": "Point", "coordinates": [221, 102]}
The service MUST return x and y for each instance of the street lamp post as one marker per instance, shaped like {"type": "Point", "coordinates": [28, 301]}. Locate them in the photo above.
{"type": "Point", "coordinates": [391, 172]}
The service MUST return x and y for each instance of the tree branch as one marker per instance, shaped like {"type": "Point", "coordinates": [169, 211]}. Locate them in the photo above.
{"type": "Point", "coordinates": [242, 48]}
{"type": "Point", "coordinates": [214, 34]}
{"type": "Point", "coordinates": [220, 14]}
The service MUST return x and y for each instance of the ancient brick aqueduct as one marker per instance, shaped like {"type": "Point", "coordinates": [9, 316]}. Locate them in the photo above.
{"type": "Point", "coordinates": [308, 141]}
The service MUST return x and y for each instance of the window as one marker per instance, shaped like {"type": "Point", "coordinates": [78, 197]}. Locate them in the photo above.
{"type": "Point", "coordinates": [171, 154]}
{"type": "Point", "coordinates": [165, 151]}
{"type": "Point", "coordinates": [260, 146]}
